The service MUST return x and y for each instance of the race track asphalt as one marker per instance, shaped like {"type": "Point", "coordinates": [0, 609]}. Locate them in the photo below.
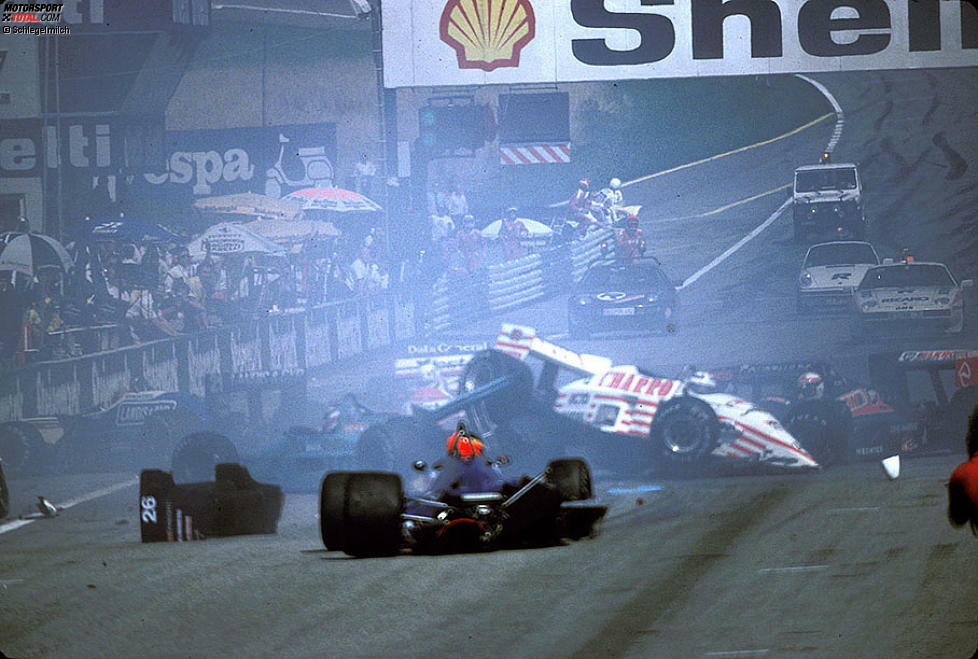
{"type": "Point", "coordinates": [839, 563]}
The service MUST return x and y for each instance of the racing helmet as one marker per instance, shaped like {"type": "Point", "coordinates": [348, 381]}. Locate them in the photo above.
{"type": "Point", "coordinates": [701, 382]}
{"type": "Point", "coordinates": [810, 386]}
{"type": "Point", "coordinates": [614, 183]}
{"type": "Point", "coordinates": [463, 444]}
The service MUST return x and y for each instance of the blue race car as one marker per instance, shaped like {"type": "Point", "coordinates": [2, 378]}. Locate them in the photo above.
{"type": "Point", "coordinates": [468, 505]}
{"type": "Point", "coordinates": [296, 460]}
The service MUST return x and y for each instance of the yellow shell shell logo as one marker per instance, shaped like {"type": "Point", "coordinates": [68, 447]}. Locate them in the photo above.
{"type": "Point", "coordinates": [487, 34]}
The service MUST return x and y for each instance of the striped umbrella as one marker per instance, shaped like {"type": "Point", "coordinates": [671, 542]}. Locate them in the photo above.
{"type": "Point", "coordinates": [333, 199]}
{"type": "Point", "coordinates": [30, 252]}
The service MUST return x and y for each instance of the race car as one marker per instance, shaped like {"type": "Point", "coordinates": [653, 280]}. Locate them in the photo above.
{"type": "Point", "coordinates": [917, 402]}
{"type": "Point", "coordinates": [468, 506]}
{"type": "Point", "coordinates": [638, 416]}
{"type": "Point", "coordinates": [138, 429]}
{"type": "Point", "coordinates": [233, 504]}
{"type": "Point", "coordinates": [296, 460]}
{"type": "Point", "coordinates": [909, 295]}
{"type": "Point", "coordinates": [638, 296]}
{"type": "Point", "coordinates": [427, 377]}
{"type": "Point", "coordinates": [831, 271]}
{"type": "Point", "coordinates": [940, 386]}
{"type": "Point", "coordinates": [835, 419]}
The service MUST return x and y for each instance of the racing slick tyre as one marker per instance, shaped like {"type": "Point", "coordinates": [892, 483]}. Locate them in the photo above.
{"type": "Point", "coordinates": [823, 428]}
{"type": "Point", "coordinates": [571, 477]}
{"type": "Point", "coordinates": [395, 444]}
{"type": "Point", "coordinates": [197, 454]}
{"type": "Point", "coordinates": [332, 496]}
{"type": "Point", "coordinates": [4, 495]}
{"type": "Point", "coordinates": [372, 511]}
{"type": "Point", "coordinates": [162, 433]}
{"type": "Point", "coordinates": [494, 410]}
{"type": "Point", "coordinates": [685, 431]}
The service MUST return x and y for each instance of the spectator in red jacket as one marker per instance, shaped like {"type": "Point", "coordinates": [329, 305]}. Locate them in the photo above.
{"type": "Point", "coordinates": [962, 490]}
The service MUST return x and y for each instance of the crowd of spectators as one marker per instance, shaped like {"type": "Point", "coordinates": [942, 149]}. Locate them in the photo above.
{"type": "Point", "coordinates": [153, 291]}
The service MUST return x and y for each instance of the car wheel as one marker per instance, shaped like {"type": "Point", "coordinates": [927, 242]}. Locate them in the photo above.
{"type": "Point", "coordinates": [162, 433]}
{"type": "Point", "coordinates": [377, 448]}
{"type": "Point", "coordinates": [372, 514]}
{"type": "Point", "coordinates": [822, 428]}
{"type": "Point", "coordinates": [685, 430]}
{"type": "Point", "coordinates": [332, 499]}
{"type": "Point", "coordinates": [486, 414]}
{"type": "Point", "coordinates": [571, 477]}
{"type": "Point", "coordinates": [197, 454]}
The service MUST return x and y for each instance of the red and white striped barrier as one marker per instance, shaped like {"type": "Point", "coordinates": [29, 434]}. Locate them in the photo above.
{"type": "Point", "coordinates": [534, 154]}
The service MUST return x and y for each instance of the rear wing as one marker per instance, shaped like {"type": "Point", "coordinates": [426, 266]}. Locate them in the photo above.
{"type": "Point", "coordinates": [232, 504]}
{"type": "Point", "coordinates": [964, 363]}
{"type": "Point", "coordinates": [520, 342]}
{"type": "Point", "coordinates": [168, 513]}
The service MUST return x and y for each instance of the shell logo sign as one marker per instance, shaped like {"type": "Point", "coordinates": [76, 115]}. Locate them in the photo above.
{"type": "Point", "coordinates": [487, 34]}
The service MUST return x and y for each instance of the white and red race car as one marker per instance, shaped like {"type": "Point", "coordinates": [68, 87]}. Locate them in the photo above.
{"type": "Point", "coordinates": [679, 420]}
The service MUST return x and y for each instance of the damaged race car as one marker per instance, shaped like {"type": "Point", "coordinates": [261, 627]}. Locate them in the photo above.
{"type": "Point", "coordinates": [233, 504]}
{"type": "Point", "coordinates": [917, 402]}
{"type": "Point", "coordinates": [621, 417]}
{"type": "Point", "coordinates": [467, 505]}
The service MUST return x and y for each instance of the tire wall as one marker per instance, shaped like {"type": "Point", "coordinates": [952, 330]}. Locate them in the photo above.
{"type": "Point", "coordinates": [284, 343]}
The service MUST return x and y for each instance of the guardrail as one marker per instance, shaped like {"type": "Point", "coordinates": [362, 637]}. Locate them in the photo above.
{"type": "Point", "coordinates": [282, 342]}
{"type": "Point", "coordinates": [294, 340]}
{"type": "Point", "coordinates": [515, 283]}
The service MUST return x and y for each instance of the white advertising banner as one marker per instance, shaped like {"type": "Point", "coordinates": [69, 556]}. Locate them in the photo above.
{"type": "Point", "coordinates": [429, 43]}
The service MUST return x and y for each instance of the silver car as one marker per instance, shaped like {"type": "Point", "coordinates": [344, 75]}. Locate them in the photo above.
{"type": "Point", "coordinates": [909, 295]}
{"type": "Point", "coordinates": [831, 272]}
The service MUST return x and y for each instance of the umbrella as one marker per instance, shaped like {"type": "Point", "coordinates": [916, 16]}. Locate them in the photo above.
{"type": "Point", "coordinates": [123, 229]}
{"type": "Point", "coordinates": [294, 231]}
{"type": "Point", "coordinates": [539, 232]}
{"type": "Point", "coordinates": [228, 238]}
{"type": "Point", "coordinates": [249, 203]}
{"type": "Point", "coordinates": [333, 199]}
{"type": "Point", "coordinates": [30, 252]}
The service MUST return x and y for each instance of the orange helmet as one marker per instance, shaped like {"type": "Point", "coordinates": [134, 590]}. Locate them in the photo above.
{"type": "Point", "coordinates": [462, 445]}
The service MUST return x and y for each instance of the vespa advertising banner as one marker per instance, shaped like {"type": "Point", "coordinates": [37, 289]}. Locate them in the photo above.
{"type": "Point", "coordinates": [272, 161]}
{"type": "Point", "coordinates": [480, 42]}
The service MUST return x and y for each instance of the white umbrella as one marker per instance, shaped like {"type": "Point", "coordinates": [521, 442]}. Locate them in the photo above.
{"type": "Point", "coordinates": [539, 233]}
{"type": "Point", "coordinates": [251, 204]}
{"type": "Point", "coordinates": [29, 252]}
{"type": "Point", "coordinates": [227, 238]}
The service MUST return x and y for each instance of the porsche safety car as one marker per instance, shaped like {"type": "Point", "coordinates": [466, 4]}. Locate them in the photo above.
{"type": "Point", "coordinates": [468, 505]}
{"type": "Point", "coordinates": [232, 504]}
{"type": "Point", "coordinates": [637, 296]}
{"type": "Point", "coordinates": [831, 271]}
{"type": "Point", "coordinates": [909, 295]}
{"type": "Point", "coordinates": [647, 415]}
